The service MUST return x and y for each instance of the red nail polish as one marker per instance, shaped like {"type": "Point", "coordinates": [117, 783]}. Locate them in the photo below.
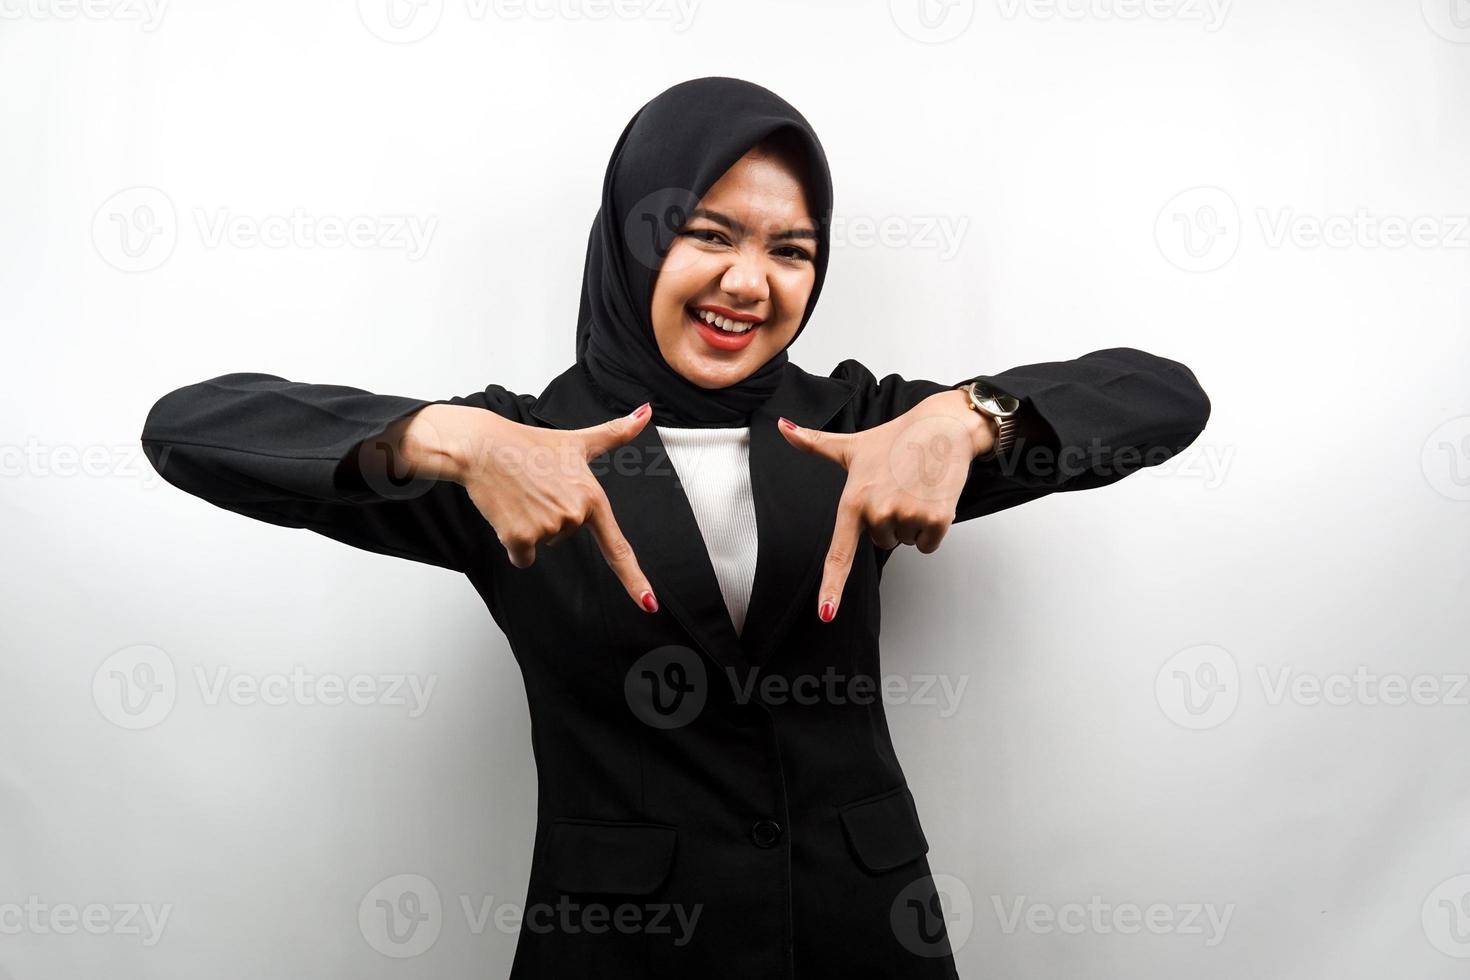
{"type": "Point", "coordinates": [788, 423]}
{"type": "Point", "coordinates": [827, 611]}
{"type": "Point", "coordinates": [648, 601]}
{"type": "Point", "coordinates": [640, 411]}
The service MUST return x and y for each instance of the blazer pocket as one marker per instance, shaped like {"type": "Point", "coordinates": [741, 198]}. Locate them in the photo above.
{"type": "Point", "coordinates": [884, 830]}
{"type": "Point", "coordinates": [606, 856]}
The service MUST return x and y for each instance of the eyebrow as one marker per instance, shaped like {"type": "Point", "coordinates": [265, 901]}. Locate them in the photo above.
{"type": "Point", "coordinates": [740, 229]}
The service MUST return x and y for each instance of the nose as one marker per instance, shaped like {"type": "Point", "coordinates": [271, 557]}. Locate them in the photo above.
{"type": "Point", "coordinates": [745, 279]}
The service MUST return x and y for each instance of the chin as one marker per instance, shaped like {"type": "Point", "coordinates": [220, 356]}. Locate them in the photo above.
{"type": "Point", "coordinates": [714, 376]}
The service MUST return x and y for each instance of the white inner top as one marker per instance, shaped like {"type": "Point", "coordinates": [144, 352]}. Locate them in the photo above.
{"type": "Point", "coordinates": [714, 469]}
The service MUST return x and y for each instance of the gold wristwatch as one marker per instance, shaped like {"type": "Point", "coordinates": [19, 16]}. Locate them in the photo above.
{"type": "Point", "coordinates": [1002, 406]}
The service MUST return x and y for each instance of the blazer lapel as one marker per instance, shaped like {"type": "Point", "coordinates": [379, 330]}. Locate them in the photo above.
{"type": "Point", "coordinates": [653, 512]}
{"type": "Point", "coordinates": [795, 496]}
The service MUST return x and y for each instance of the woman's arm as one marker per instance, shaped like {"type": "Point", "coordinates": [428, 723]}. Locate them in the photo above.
{"type": "Point", "coordinates": [327, 458]}
{"type": "Point", "coordinates": [1094, 420]}
{"type": "Point", "coordinates": [912, 453]}
{"type": "Point", "coordinates": [1084, 423]}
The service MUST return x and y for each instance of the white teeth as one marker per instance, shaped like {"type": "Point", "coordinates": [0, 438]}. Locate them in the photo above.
{"type": "Point", "coordinates": [729, 326]}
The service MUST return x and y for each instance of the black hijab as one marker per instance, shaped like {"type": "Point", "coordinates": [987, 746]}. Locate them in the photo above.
{"type": "Point", "coordinates": [671, 152]}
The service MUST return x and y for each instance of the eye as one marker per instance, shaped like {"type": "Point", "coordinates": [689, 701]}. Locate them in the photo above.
{"type": "Point", "coordinates": [706, 235]}
{"type": "Point", "coordinates": [794, 252]}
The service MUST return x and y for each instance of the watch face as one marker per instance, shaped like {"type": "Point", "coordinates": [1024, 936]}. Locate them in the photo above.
{"type": "Point", "coordinates": [995, 401]}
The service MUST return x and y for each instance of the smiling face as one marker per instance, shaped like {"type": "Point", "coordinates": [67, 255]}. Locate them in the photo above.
{"type": "Point", "coordinates": [744, 259]}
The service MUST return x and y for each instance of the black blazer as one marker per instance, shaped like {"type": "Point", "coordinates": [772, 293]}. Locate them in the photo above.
{"type": "Point", "coordinates": [687, 825]}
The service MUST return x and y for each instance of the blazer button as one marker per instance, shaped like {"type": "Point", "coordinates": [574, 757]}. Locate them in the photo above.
{"type": "Point", "coordinates": [765, 833]}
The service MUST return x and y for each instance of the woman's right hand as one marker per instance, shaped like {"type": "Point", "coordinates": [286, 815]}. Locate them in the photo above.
{"type": "Point", "coordinates": [532, 485]}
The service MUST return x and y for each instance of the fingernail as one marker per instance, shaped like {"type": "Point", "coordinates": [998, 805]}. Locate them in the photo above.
{"type": "Point", "coordinates": [648, 601]}
{"type": "Point", "coordinates": [788, 423]}
{"type": "Point", "coordinates": [827, 611]}
{"type": "Point", "coordinates": [640, 411]}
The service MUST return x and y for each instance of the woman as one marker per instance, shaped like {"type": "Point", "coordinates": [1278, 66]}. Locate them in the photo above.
{"type": "Point", "coordinates": [717, 787]}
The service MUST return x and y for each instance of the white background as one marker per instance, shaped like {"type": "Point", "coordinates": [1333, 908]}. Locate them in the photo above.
{"type": "Point", "coordinates": [1110, 174]}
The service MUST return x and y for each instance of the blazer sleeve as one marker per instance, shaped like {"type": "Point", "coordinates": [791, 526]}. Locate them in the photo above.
{"type": "Point", "coordinates": [285, 452]}
{"type": "Point", "coordinates": [1083, 423]}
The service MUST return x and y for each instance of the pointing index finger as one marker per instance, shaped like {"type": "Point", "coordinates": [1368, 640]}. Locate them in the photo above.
{"type": "Point", "coordinates": [619, 554]}
{"type": "Point", "coordinates": [838, 564]}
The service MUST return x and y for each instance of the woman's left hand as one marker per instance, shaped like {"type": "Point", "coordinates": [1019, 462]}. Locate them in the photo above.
{"type": "Point", "coordinates": [904, 479]}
